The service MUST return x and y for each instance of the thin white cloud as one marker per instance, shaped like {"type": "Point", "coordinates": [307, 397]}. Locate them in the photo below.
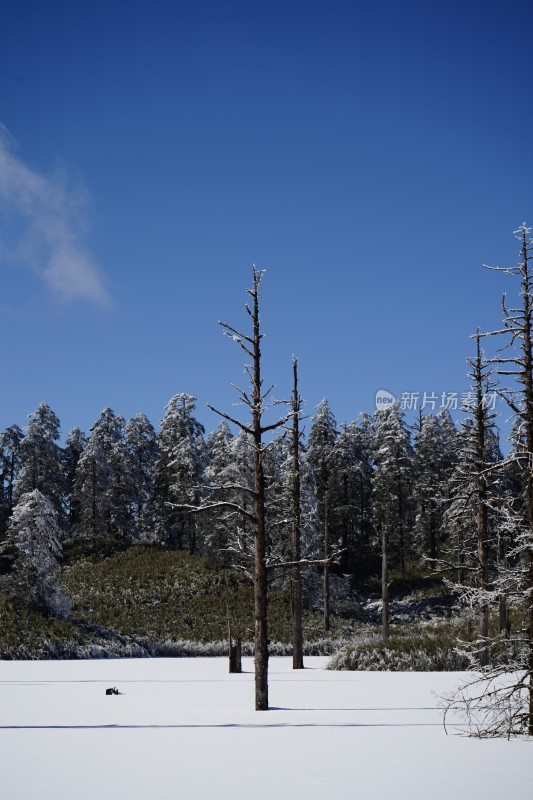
{"type": "Point", "coordinates": [44, 224]}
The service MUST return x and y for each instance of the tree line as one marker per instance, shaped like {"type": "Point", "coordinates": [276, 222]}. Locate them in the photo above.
{"type": "Point", "coordinates": [370, 487]}
{"type": "Point", "coordinates": [380, 492]}
{"type": "Point", "coordinates": [124, 483]}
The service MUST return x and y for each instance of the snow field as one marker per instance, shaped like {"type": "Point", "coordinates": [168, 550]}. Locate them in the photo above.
{"type": "Point", "coordinates": [186, 728]}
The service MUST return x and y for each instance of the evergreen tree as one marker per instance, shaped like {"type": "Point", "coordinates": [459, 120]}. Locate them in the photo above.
{"type": "Point", "coordinates": [100, 486]}
{"type": "Point", "coordinates": [280, 521]}
{"type": "Point", "coordinates": [392, 489]}
{"type": "Point", "coordinates": [10, 460]}
{"type": "Point", "coordinates": [182, 461]}
{"type": "Point", "coordinates": [109, 432]}
{"type": "Point", "coordinates": [141, 452]}
{"type": "Point", "coordinates": [33, 542]}
{"type": "Point", "coordinates": [75, 444]}
{"type": "Point", "coordinates": [364, 434]}
{"type": "Point", "coordinates": [350, 495]}
{"type": "Point", "coordinates": [229, 475]}
{"type": "Point", "coordinates": [321, 443]}
{"type": "Point", "coordinates": [450, 440]}
{"type": "Point", "coordinates": [91, 494]}
{"type": "Point", "coordinates": [393, 481]}
{"type": "Point", "coordinates": [431, 487]}
{"type": "Point", "coordinates": [41, 458]}
{"type": "Point", "coordinates": [220, 471]}
{"type": "Point", "coordinates": [218, 446]}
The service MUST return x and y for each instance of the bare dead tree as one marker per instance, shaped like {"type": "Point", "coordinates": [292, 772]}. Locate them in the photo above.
{"type": "Point", "coordinates": [499, 700]}
{"type": "Point", "coordinates": [259, 562]}
{"type": "Point", "coordinates": [472, 512]}
{"type": "Point", "coordinates": [254, 399]}
{"type": "Point", "coordinates": [479, 374]}
{"type": "Point", "coordinates": [518, 364]}
{"type": "Point", "coordinates": [296, 574]}
{"type": "Point", "coordinates": [327, 545]}
{"type": "Point", "coordinates": [385, 611]}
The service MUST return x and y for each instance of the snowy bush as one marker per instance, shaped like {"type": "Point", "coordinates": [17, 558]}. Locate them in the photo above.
{"type": "Point", "coordinates": [426, 648]}
{"type": "Point", "coordinates": [387, 659]}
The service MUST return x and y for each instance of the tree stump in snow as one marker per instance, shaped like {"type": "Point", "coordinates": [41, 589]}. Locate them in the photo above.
{"type": "Point", "coordinates": [235, 655]}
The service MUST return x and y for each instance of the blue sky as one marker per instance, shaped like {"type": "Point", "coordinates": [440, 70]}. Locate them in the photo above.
{"type": "Point", "coordinates": [371, 157]}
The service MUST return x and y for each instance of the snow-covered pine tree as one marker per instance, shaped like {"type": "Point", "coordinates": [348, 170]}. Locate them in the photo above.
{"type": "Point", "coordinates": [41, 458]}
{"type": "Point", "coordinates": [10, 459]}
{"type": "Point", "coordinates": [100, 486]}
{"type": "Point", "coordinates": [280, 521]}
{"type": "Point", "coordinates": [321, 443]}
{"type": "Point", "coordinates": [229, 482]}
{"type": "Point", "coordinates": [449, 436]}
{"type": "Point", "coordinates": [218, 445]}
{"type": "Point", "coordinates": [364, 434]}
{"type": "Point", "coordinates": [141, 452]}
{"type": "Point", "coordinates": [91, 494]}
{"type": "Point", "coordinates": [276, 513]}
{"type": "Point", "coordinates": [430, 492]}
{"type": "Point", "coordinates": [33, 544]}
{"type": "Point", "coordinates": [109, 431]}
{"type": "Point", "coordinates": [182, 461]}
{"type": "Point", "coordinates": [222, 469]}
{"type": "Point", "coordinates": [351, 495]}
{"type": "Point", "coordinates": [459, 518]}
{"type": "Point", "coordinates": [75, 444]}
{"type": "Point", "coordinates": [392, 495]}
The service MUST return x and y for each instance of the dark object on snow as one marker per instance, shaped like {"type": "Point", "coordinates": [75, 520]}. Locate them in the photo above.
{"type": "Point", "coordinates": [235, 656]}
{"type": "Point", "coordinates": [235, 651]}
{"type": "Point", "coordinates": [114, 690]}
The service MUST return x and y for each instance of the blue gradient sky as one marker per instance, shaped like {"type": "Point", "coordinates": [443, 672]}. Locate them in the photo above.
{"type": "Point", "coordinates": [370, 156]}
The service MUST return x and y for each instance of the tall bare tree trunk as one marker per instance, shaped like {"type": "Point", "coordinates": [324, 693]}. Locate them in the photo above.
{"type": "Point", "coordinates": [260, 565]}
{"type": "Point", "coordinates": [254, 399]}
{"type": "Point", "coordinates": [461, 556]}
{"type": "Point", "coordinates": [504, 620]}
{"type": "Point", "coordinates": [11, 503]}
{"type": "Point", "coordinates": [518, 323]}
{"type": "Point", "coordinates": [481, 508]}
{"type": "Point", "coordinates": [385, 626]}
{"type": "Point", "coordinates": [527, 378]}
{"type": "Point", "coordinates": [296, 574]}
{"type": "Point", "coordinates": [401, 531]}
{"type": "Point", "coordinates": [326, 563]}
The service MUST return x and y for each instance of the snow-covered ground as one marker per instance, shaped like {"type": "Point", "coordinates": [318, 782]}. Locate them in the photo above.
{"type": "Point", "coordinates": [185, 728]}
